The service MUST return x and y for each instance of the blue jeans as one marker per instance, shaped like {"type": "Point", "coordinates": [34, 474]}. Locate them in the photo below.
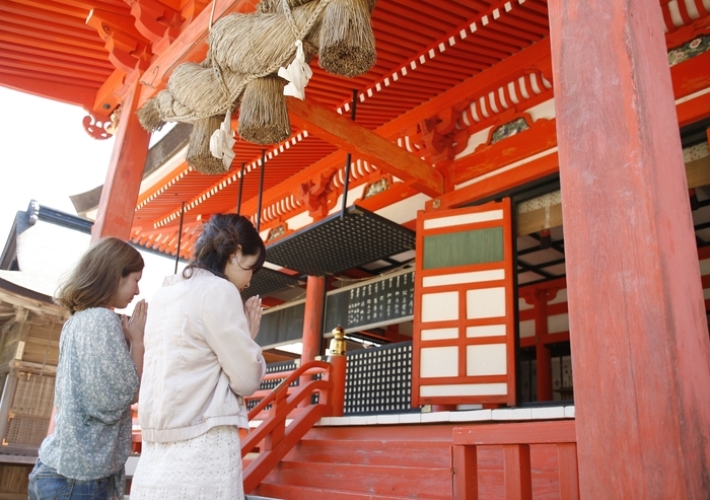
{"type": "Point", "coordinates": [47, 484]}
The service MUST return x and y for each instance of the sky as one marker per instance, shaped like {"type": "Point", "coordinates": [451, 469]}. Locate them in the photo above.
{"type": "Point", "coordinates": [45, 155]}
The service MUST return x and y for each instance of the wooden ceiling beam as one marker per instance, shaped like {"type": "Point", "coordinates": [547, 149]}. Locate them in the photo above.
{"type": "Point", "coordinates": [115, 7]}
{"type": "Point", "coordinates": [38, 61]}
{"type": "Point", "coordinates": [59, 57]}
{"type": "Point", "coordinates": [69, 92]}
{"type": "Point", "coordinates": [67, 42]}
{"type": "Point", "coordinates": [29, 23]}
{"type": "Point", "coordinates": [39, 14]}
{"type": "Point", "coordinates": [97, 53]}
{"type": "Point", "coordinates": [47, 77]}
{"type": "Point", "coordinates": [367, 145]}
{"type": "Point", "coordinates": [57, 7]}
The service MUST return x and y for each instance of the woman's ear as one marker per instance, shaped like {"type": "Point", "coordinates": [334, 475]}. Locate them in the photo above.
{"type": "Point", "coordinates": [234, 258]}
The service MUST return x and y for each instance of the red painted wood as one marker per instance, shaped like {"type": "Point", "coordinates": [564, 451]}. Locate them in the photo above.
{"type": "Point", "coordinates": [465, 486]}
{"type": "Point", "coordinates": [694, 110]}
{"type": "Point", "coordinates": [404, 461]}
{"type": "Point", "coordinates": [461, 322]}
{"type": "Point", "coordinates": [569, 480]}
{"type": "Point", "coordinates": [374, 453]}
{"type": "Point", "coordinates": [528, 432]}
{"type": "Point", "coordinates": [312, 318]}
{"type": "Point", "coordinates": [518, 484]}
{"type": "Point", "coordinates": [533, 170]}
{"type": "Point", "coordinates": [338, 374]}
{"type": "Point", "coordinates": [125, 172]}
{"type": "Point", "coordinates": [259, 468]}
{"type": "Point", "coordinates": [289, 492]}
{"type": "Point", "coordinates": [638, 329]}
{"type": "Point", "coordinates": [367, 145]}
{"type": "Point", "coordinates": [391, 481]}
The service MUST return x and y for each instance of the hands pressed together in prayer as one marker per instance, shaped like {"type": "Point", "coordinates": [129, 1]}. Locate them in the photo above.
{"type": "Point", "coordinates": [134, 327]}
{"type": "Point", "coordinates": [253, 311]}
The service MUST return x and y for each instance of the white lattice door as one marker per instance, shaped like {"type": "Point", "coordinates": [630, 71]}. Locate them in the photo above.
{"type": "Point", "coordinates": [464, 332]}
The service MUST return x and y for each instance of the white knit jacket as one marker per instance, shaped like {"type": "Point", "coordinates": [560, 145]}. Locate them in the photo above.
{"type": "Point", "coordinates": [200, 359]}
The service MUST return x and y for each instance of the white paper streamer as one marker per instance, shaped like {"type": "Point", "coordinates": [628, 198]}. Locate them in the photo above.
{"type": "Point", "coordinates": [222, 142]}
{"type": "Point", "coordinates": [297, 73]}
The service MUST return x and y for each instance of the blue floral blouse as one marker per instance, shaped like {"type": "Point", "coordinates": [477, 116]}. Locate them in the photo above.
{"type": "Point", "coordinates": [95, 385]}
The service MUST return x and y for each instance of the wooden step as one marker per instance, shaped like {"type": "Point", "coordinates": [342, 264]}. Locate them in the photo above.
{"type": "Point", "coordinates": [393, 462]}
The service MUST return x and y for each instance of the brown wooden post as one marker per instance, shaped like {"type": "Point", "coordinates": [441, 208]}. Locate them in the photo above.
{"type": "Point", "coordinates": [125, 172]}
{"type": "Point", "coordinates": [313, 318]}
{"type": "Point", "coordinates": [638, 329]}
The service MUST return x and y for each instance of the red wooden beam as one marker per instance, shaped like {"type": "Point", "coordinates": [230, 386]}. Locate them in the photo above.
{"type": "Point", "coordinates": [123, 179]}
{"type": "Point", "coordinates": [639, 332]}
{"type": "Point", "coordinates": [366, 144]}
{"type": "Point", "coordinates": [529, 433]}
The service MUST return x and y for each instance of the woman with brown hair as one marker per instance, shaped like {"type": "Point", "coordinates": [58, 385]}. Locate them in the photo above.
{"type": "Point", "coordinates": [98, 375]}
{"type": "Point", "coordinates": [200, 361]}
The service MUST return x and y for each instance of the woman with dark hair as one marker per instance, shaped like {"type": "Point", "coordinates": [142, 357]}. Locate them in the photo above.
{"type": "Point", "coordinates": [100, 364]}
{"type": "Point", "coordinates": [200, 361]}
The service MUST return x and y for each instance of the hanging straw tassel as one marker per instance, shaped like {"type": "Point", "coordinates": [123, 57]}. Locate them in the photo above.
{"type": "Point", "coordinates": [263, 117]}
{"type": "Point", "coordinates": [149, 116]}
{"type": "Point", "coordinates": [347, 43]}
{"type": "Point", "coordinates": [199, 155]}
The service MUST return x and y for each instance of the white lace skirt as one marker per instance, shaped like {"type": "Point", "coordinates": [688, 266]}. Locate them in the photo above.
{"type": "Point", "coordinates": [208, 467]}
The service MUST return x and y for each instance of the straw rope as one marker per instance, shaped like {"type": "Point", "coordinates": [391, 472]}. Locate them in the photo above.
{"type": "Point", "coordinates": [190, 86]}
{"type": "Point", "coordinates": [245, 49]}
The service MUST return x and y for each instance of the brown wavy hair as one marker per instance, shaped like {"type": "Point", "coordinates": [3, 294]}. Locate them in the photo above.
{"type": "Point", "coordinates": [96, 277]}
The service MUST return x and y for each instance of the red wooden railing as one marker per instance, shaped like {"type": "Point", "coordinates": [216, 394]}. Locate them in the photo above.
{"type": "Point", "coordinates": [516, 440]}
{"type": "Point", "coordinates": [273, 438]}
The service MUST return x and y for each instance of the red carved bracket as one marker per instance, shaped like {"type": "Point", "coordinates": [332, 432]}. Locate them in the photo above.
{"type": "Point", "coordinates": [156, 21]}
{"type": "Point", "coordinates": [96, 126]}
{"type": "Point", "coordinates": [317, 197]}
{"type": "Point", "coordinates": [128, 48]}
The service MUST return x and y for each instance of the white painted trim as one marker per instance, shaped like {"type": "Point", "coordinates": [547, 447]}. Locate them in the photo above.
{"type": "Point", "coordinates": [459, 278]}
{"type": "Point", "coordinates": [692, 96]}
{"type": "Point", "coordinates": [494, 389]}
{"type": "Point", "coordinates": [486, 331]}
{"type": "Point", "coordinates": [459, 220]}
{"type": "Point", "coordinates": [439, 333]}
